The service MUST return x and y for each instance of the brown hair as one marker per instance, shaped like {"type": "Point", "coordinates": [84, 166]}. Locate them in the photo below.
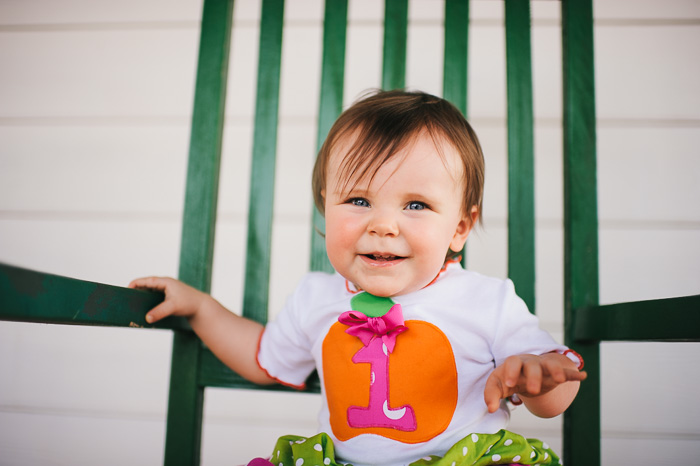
{"type": "Point", "coordinates": [384, 122]}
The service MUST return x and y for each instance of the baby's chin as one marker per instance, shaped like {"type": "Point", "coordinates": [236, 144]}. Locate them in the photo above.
{"type": "Point", "coordinates": [388, 288]}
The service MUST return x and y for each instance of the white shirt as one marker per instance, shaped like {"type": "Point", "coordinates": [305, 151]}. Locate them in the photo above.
{"type": "Point", "coordinates": [459, 328]}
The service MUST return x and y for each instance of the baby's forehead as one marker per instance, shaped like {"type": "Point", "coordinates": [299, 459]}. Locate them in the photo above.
{"type": "Point", "coordinates": [354, 161]}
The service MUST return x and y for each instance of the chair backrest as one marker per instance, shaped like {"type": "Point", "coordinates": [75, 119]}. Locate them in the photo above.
{"type": "Point", "coordinates": [193, 367]}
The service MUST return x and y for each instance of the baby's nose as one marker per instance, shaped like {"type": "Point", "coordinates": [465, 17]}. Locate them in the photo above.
{"type": "Point", "coordinates": [383, 224]}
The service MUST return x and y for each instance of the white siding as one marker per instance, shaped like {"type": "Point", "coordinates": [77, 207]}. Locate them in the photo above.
{"type": "Point", "coordinates": [94, 127]}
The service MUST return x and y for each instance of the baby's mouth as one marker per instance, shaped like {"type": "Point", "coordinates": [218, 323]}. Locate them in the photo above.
{"type": "Point", "coordinates": [383, 257]}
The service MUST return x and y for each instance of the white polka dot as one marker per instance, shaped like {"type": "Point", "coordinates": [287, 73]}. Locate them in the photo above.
{"type": "Point", "coordinates": [428, 458]}
{"type": "Point", "coordinates": [301, 441]}
{"type": "Point", "coordinates": [496, 457]}
{"type": "Point", "coordinates": [475, 438]}
{"type": "Point", "coordinates": [327, 461]}
{"type": "Point", "coordinates": [281, 464]}
{"type": "Point", "coordinates": [318, 447]}
{"type": "Point", "coordinates": [545, 446]}
{"type": "Point", "coordinates": [517, 458]}
{"type": "Point", "coordinates": [532, 455]}
{"type": "Point", "coordinates": [546, 455]}
{"type": "Point", "coordinates": [454, 463]}
{"type": "Point", "coordinates": [300, 461]}
{"type": "Point", "coordinates": [464, 451]}
{"type": "Point", "coordinates": [509, 442]}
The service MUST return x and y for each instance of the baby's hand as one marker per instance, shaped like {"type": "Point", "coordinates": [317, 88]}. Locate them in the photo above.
{"type": "Point", "coordinates": [180, 299]}
{"type": "Point", "coordinates": [530, 376]}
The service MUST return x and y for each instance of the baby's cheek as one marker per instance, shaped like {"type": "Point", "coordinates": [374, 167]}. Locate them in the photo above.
{"type": "Point", "coordinates": [342, 235]}
{"type": "Point", "coordinates": [430, 260]}
{"type": "Point", "coordinates": [337, 247]}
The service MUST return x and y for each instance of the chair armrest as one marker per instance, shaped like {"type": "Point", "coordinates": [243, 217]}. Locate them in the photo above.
{"type": "Point", "coordinates": [672, 319]}
{"type": "Point", "coordinates": [31, 296]}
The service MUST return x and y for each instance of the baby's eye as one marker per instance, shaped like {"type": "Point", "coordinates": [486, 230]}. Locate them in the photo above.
{"type": "Point", "coordinates": [416, 205]}
{"type": "Point", "coordinates": [359, 202]}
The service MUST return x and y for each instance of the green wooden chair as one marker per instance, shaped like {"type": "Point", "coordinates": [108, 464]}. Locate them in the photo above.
{"type": "Point", "coordinates": [31, 296]}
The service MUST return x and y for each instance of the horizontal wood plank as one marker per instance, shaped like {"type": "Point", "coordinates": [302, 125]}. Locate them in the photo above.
{"type": "Point", "coordinates": [672, 319]}
{"type": "Point", "coordinates": [214, 373]}
{"type": "Point", "coordinates": [30, 296]}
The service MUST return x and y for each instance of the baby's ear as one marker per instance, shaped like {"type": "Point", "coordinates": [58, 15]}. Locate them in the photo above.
{"type": "Point", "coordinates": [464, 227]}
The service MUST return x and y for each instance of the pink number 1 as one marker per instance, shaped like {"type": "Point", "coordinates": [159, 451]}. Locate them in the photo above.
{"type": "Point", "coordinates": [379, 413]}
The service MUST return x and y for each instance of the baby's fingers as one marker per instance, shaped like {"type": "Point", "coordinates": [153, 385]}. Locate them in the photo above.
{"type": "Point", "coordinates": [561, 373]}
{"type": "Point", "coordinates": [555, 370]}
{"type": "Point", "coordinates": [494, 392]}
{"type": "Point", "coordinates": [159, 312]}
{"type": "Point", "coordinates": [150, 283]}
{"type": "Point", "coordinates": [512, 368]}
{"type": "Point", "coordinates": [574, 375]}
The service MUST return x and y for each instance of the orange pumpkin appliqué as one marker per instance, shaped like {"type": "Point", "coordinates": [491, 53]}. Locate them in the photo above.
{"type": "Point", "coordinates": [408, 395]}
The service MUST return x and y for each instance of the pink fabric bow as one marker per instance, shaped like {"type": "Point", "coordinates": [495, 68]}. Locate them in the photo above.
{"type": "Point", "coordinates": [388, 326]}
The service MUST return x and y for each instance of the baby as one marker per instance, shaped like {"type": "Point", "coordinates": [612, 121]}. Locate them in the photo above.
{"type": "Point", "coordinates": [416, 355]}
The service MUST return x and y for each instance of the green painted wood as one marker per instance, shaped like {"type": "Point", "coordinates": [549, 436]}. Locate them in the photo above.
{"type": "Point", "coordinates": [521, 151]}
{"type": "Point", "coordinates": [30, 296]}
{"type": "Point", "coordinates": [199, 218]}
{"type": "Point", "coordinates": [213, 373]}
{"type": "Point", "coordinates": [455, 64]}
{"type": "Point", "coordinates": [184, 421]}
{"type": "Point", "coordinates": [582, 420]}
{"type": "Point", "coordinates": [262, 180]}
{"type": "Point", "coordinates": [671, 319]}
{"type": "Point", "coordinates": [454, 79]}
{"type": "Point", "coordinates": [581, 425]}
{"type": "Point", "coordinates": [395, 37]}
{"type": "Point", "coordinates": [330, 106]}
{"type": "Point", "coordinates": [185, 402]}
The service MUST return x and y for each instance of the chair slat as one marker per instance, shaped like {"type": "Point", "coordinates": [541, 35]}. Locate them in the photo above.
{"type": "Point", "coordinates": [186, 398]}
{"type": "Point", "coordinates": [199, 217]}
{"type": "Point", "coordinates": [262, 179]}
{"type": "Point", "coordinates": [183, 439]}
{"type": "Point", "coordinates": [582, 419]}
{"type": "Point", "coordinates": [395, 37]}
{"type": "Point", "coordinates": [521, 163]}
{"type": "Point", "coordinates": [331, 105]}
{"type": "Point", "coordinates": [455, 66]}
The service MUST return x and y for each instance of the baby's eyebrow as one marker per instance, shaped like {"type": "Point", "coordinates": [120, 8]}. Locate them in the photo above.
{"type": "Point", "coordinates": [351, 191]}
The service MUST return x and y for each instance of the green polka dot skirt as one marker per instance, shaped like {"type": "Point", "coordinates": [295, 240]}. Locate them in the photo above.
{"type": "Point", "coordinates": [503, 448]}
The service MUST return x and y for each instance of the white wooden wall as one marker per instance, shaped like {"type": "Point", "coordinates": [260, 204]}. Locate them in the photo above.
{"type": "Point", "coordinates": [95, 105]}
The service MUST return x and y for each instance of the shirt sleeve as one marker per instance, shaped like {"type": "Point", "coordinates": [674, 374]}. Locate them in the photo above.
{"type": "Point", "coordinates": [518, 330]}
{"type": "Point", "coordinates": [285, 350]}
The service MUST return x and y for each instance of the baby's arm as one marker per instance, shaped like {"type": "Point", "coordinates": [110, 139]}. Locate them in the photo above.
{"type": "Point", "coordinates": [547, 384]}
{"type": "Point", "coordinates": [232, 338]}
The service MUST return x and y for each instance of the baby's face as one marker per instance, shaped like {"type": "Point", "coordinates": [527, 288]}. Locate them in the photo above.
{"type": "Point", "coordinates": [390, 237]}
